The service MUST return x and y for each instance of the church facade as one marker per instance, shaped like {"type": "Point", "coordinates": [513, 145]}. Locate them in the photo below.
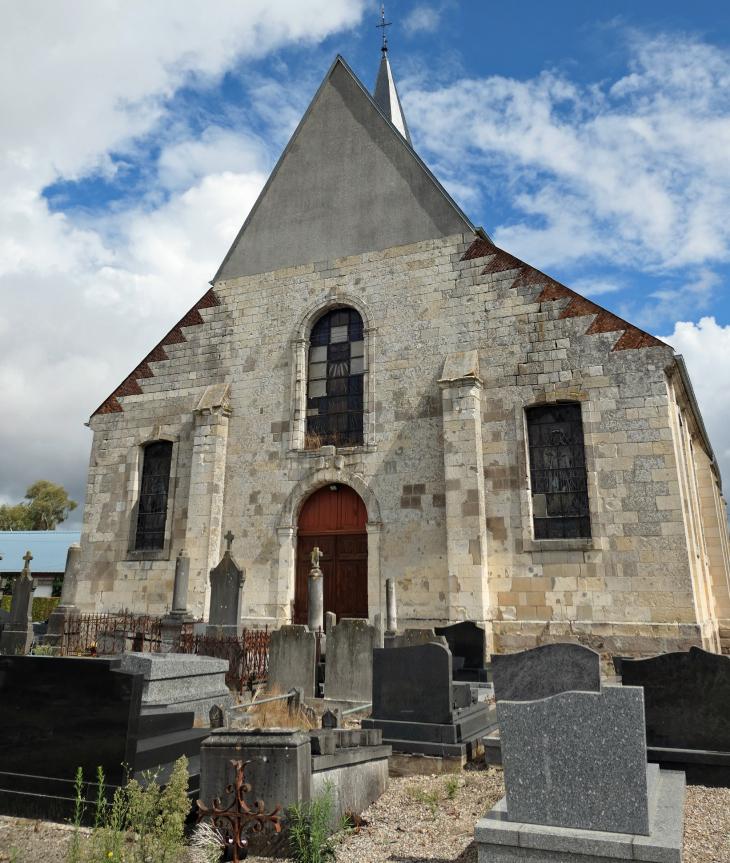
{"type": "Point", "coordinates": [369, 373]}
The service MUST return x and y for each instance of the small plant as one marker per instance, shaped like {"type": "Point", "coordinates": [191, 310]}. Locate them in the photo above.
{"type": "Point", "coordinates": [207, 844]}
{"type": "Point", "coordinates": [43, 650]}
{"type": "Point", "coordinates": [452, 785]}
{"type": "Point", "coordinates": [73, 848]}
{"type": "Point", "coordinates": [429, 799]}
{"type": "Point", "coordinates": [311, 836]}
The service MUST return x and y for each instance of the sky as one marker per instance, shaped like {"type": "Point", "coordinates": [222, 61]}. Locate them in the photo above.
{"type": "Point", "coordinates": [590, 140]}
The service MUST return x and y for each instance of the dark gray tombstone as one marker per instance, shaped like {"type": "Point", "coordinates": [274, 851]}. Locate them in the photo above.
{"type": "Point", "coordinates": [465, 640]}
{"type": "Point", "coordinates": [687, 700]}
{"type": "Point", "coordinates": [293, 660]}
{"type": "Point", "coordinates": [331, 719]}
{"type": "Point", "coordinates": [545, 671]}
{"type": "Point", "coordinates": [578, 760]}
{"type": "Point", "coordinates": [415, 638]}
{"type": "Point", "coordinates": [226, 591]}
{"type": "Point", "coordinates": [350, 647]}
{"type": "Point", "coordinates": [412, 684]}
{"type": "Point", "coordinates": [215, 715]}
{"type": "Point", "coordinates": [17, 634]}
{"type": "Point", "coordinates": [67, 605]}
{"type": "Point", "coordinates": [419, 709]}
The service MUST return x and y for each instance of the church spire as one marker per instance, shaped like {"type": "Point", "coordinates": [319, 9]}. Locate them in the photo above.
{"type": "Point", "coordinates": [385, 94]}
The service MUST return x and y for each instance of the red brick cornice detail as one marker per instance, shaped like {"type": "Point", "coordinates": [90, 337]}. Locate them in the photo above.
{"type": "Point", "coordinates": [604, 322]}
{"type": "Point", "coordinates": [129, 386]}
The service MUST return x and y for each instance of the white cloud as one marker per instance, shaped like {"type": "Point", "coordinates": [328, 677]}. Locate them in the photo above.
{"type": "Point", "coordinates": [706, 350]}
{"type": "Point", "coordinates": [82, 302]}
{"type": "Point", "coordinates": [422, 19]}
{"type": "Point", "coordinates": [595, 287]}
{"type": "Point", "coordinates": [635, 174]}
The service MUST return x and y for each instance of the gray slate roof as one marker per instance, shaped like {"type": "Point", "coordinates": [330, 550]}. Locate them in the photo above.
{"type": "Point", "coordinates": [48, 547]}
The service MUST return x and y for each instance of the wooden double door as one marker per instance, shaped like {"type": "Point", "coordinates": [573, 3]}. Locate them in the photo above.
{"type": "Point", "coordinates": [333, 519]}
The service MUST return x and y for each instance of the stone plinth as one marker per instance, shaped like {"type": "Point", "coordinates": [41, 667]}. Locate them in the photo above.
{"type": "Point", "coordinates": [226, 589]}
{"type": "Point", "coordinates": [180, 682]}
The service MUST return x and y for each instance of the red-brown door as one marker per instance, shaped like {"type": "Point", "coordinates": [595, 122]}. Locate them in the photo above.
{"type": "Point", "coordinates": [334, 520]}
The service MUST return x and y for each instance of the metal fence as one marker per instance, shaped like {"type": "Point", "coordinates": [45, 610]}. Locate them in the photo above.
{"type": "Point", "coordinates": [108, 634]}
{"type": "Point", "coordinates": [247, 654]}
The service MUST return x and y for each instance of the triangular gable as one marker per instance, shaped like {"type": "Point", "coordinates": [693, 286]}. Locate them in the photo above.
{"type": "Point", "coordinates": [603, 322]}
{"type": "Point", "coordinates": [348, 182]}
{"type": "Point", "coordinates": [129, 386]}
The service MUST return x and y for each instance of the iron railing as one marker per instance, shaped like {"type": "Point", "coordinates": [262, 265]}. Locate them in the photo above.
{"type": "Point", "coordinates": [247, 654]}
{"type": "Point", "coordinates": [107, 633]}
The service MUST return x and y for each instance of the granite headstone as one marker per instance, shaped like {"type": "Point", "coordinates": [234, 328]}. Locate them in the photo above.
{"type": "Point", "coordinates": [578, 760]}
{"type": "Point", "coordinates": [687, 698]}
{"type": "Point", "coordinates": [466, 640]}
{"type": "Point", "coordinates": [413, 684]}
{"type": "Point", "coordinates": [545, 671]}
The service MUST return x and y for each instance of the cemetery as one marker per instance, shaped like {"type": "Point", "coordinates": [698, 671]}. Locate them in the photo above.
{"type": "Point", "coordinates": [559, 762]}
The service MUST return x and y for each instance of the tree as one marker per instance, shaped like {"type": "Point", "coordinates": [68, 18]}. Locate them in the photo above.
{"type": "Point", "coordinates": [48, 505]}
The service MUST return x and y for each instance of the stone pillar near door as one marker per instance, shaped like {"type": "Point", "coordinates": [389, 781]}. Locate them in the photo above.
{"type": "Point", "coordinates": [466, 528]}
{"type": "Point", "coordinates": [207, 484]}
{"type": "Point", "coordinates": [284, 590]}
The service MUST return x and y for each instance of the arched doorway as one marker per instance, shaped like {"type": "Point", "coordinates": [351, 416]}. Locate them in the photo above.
{"type": "Point", "coordinates": [334, 519]}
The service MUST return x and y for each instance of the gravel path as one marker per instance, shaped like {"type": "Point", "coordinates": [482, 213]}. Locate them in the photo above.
{"type": "Point", "coordinates": [420, 819]}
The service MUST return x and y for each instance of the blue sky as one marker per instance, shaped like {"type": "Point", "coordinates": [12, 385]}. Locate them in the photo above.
{"type": "Point", "coordinates": [589, 139]}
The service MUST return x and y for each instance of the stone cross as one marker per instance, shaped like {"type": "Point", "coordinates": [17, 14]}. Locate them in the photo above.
{"type": "Point", "coordinates": [316, 555]}
{"type": "Point", "coordinates": [229, 537]}
{"type": "Point", "coordinates": [27, 557]}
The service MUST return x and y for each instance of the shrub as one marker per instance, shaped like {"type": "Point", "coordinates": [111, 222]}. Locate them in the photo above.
{"type": "Point", "coordinates": [43, 606]}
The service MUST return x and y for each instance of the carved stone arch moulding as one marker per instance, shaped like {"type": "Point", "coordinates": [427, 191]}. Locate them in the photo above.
{"type": "Point", "coordinates": [331, 472]}
{"type": "Point", "coordinates": [315, 310]}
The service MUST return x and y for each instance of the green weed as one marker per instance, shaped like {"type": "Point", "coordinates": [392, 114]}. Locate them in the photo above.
{"type": "Point", "coordinates": [311, 836]}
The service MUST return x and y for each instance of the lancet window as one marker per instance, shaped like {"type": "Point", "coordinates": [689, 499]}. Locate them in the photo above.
{"type": "Point", "coordinates": [154, 490]}
{"type": "Point", "coordinates": [558, 472]}
{"type": "Point", "coordinates": [335, 381]}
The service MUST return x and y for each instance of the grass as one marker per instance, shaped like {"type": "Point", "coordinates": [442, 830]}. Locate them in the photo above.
{"type": "Point", "coordinates": [311, 836]}
{"type": "Point", "coordinates": [278, 714]}
{"type": "Point", "coordinates": [428, 799]}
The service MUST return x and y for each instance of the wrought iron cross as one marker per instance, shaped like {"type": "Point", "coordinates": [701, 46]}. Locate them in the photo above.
{"type": "Point", "coordinates": [229, 537]}
{"type": "Point", "coordinates": [384, 25]}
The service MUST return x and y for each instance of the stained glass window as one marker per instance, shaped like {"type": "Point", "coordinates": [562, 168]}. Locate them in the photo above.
{"type": "Point", "coordinates": [335, 380]}
{"type": "Point", "coordinates": [152, 511]}
{"type": "Point", "coordinates": [558, 472]}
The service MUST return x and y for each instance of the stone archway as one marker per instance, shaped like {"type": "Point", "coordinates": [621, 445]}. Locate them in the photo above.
{"type": "Point", "coordinates": [330, 471]}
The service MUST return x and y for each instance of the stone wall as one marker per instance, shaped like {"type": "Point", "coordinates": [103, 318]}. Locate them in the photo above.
{"type": "Point", "coordinates": [443, 470]}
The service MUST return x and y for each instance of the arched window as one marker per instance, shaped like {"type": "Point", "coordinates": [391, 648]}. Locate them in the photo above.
{"type": "Point", "coordinates": [153, 493]}
{"type": "Point", "coordinates": [558, 472]}
{"type": "Point", "coordinates": [335, 380]}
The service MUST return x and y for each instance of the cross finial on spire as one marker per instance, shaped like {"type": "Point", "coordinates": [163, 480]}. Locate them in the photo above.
{"type": "Point", "coordinates": [229, 537]}
{"type": "Point", "coordinates": [384, 25]}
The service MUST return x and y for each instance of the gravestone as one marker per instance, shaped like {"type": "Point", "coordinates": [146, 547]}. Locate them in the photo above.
{"type": "Point", "coordinates": [415, 638]}
{"type": "Point", "coordinates": [226, 590]}
{"type": "Point", "coordinates": [293, 660]}
{"type": "Point", "coordinates": [467, 640]}
{"type": "Point", "coordinates": [331, 719]}
{"type": "Point", "coordinates": [577, 760]}
{"type": "Point", "coordinates": [4, 617]}
{"type": "Point", "coordinates": [17, 634]}
{"type": "Point", "coordinates": [545, 671]}
{"type": "Point", "coordinates": [180, 682]}
{"type": "Point", "coordinates": [578, 787]}
{"type": "Point", "coordinates": [418, 707]}
{"type": "Point", "coordinates": [687, 698]}
{"type": "Point", "coordinates": [350, 647]}
{"type": "Point", "coordinates": [67, 604]}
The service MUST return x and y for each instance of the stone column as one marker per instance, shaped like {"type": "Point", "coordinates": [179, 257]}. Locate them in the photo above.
{"type": "Point", "coordinates": [375, 581]}
{"type": "Point", "coordinates": [207, 484]}
{"type": "Point", "coordinates": [17, 636]}
{"type": "Point", "coordinates": [391, 607]}
{"type": "Point", "coordinates": [173, 622]}
{"type": "Point", "coordinates": [284, 591]}
{"type": "Point", "coordinates": [315, 595]}
{"type": "Point", "coordinates": [67, 606]}
{"type": "Point", "coordinates": [466, 529]}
